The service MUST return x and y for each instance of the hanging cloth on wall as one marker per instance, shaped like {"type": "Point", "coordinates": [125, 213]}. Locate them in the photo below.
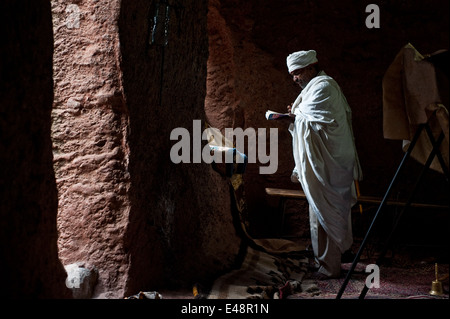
{"type": "Point", "coordinates": [414, 88]}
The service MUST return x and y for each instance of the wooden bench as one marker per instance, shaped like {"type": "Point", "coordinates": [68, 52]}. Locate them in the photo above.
{"type": "Point", "coordinates": [298, 194]}
{"type": "Point", "coordinates": [285, 194]}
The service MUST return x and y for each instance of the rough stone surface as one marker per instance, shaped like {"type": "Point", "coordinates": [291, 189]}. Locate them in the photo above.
{"type": "Point", "coordinates": [185, 208]}
{"type": "Point", "coordinates": [222, 103]}
{"type": "Point", "coordinates": [123, 205]}
{"type": "Point", "coordinates": [28, 195]}
{"type": "Point", "coordinates": [89, 139]}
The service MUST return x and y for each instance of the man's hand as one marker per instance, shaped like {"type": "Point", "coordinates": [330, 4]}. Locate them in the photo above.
{"type": "Point", "coordinates": [289, 108]}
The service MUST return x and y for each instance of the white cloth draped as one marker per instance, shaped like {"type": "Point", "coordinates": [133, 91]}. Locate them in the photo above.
{"type": "Point", "coordinates": [325, 155]}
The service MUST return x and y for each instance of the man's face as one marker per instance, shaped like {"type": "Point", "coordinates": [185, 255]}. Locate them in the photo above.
{"type": "Point", "coordinates": [303, 76]}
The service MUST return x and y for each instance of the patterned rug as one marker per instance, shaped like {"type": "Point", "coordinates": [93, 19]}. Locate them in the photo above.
{"type": "Point", "coordinates": [263, 276]}
{"type": "Point", "coordinates": [271, 268]}
{"type": "Point", "coordinates": [395, 283]}
{"type": "Point", "coordinates": [278, 269]}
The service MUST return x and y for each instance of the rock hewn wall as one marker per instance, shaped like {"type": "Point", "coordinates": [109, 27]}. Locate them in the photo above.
{"type": "Point", "coordinates": [185, 208]}
{"type": "Point", "coordinates": [125, 208]}
{"type": "Point", "coordinates": [28, 195]}
{"type": "Point", "coordinates": [89, 139]}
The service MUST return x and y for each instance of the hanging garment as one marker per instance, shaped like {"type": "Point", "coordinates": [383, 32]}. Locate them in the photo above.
{"type": "Point", "coordinates": [413, 88]}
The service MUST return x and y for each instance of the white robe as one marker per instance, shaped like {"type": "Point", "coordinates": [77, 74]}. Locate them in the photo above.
{"type": "Point", "coordinates": [325, 155]}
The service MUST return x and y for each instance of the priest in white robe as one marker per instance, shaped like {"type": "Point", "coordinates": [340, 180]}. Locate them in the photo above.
{"type": "Point", "coordinates": [326, 160]}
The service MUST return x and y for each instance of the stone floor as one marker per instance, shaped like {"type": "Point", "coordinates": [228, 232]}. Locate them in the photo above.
{"type": "Point", "coordinates": [407, 273]}
{"type": "Point", "coordinates": [411, 257]}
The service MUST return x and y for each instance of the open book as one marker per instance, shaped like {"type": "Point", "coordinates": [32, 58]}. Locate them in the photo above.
{"type": "Point", "coordinates": [271, 115]}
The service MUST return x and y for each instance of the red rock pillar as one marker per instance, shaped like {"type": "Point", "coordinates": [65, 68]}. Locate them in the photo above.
{"type": "Point", "coordinates": [126, 74]}
{"type": "Point", "coordinates": [90, 122]}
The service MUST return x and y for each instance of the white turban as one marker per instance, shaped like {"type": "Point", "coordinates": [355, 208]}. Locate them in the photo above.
{"type": "Point", "coordinates": [300, 59]}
